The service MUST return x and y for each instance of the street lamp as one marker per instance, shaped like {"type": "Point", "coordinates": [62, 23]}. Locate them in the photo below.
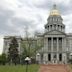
{"type": "Point", "coordinates": [27, 59]}
{"type": "Point", "coordinates": [38, 57]}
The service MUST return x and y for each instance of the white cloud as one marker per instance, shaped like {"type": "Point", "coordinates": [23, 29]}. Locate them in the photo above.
{"type": "Point", "coordinates": [16, 14]}
{"type": "Point", "coordinates": [61, 1]}
{"type": "Point", "coordinates": [67, 20]}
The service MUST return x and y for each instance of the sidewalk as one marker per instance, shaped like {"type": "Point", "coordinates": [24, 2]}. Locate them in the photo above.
{"type": "Point", "coordinates": [54, 68]}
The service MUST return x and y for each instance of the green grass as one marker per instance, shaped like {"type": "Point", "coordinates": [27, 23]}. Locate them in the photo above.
{"type": "Point", "coordinates": [19, 68]}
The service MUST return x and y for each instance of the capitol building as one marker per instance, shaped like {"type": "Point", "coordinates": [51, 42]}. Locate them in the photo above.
{"type": "Point", "coordinates": [57, 44]}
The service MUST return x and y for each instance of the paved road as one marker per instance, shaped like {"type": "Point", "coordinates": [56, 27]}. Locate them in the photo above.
{"type": "Point", "coordinates": [54, 68]}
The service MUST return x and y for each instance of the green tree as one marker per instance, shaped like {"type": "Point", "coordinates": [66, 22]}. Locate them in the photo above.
{"type": "Point", "coordinates": [30, 45]}
{"type": "Point", "coordinates": [13, 54]}
{"type": "Point", "coordinates": [3, 59]}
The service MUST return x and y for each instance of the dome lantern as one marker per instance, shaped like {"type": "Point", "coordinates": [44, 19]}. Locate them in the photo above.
{"type": "Point", "coordinates": [54, 11]}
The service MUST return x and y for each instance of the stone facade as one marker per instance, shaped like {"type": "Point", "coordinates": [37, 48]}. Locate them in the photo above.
{"type": "Point", "coordinates": [30, 41]}
{"type": "Point", "coordinates": [7, 41]}
{"type": "Point", "coordinates": [57, 44]}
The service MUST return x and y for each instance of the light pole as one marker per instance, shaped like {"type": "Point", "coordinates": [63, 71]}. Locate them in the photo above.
{"type": "Point", "coordinates": [27, 59]}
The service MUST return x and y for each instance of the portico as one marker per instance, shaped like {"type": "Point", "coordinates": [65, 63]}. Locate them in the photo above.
{"type": "Point", "coordinates": [54, 49]}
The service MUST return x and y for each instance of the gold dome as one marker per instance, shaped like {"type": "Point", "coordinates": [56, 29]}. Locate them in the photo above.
{"type": "Point", "coordinates": [54, 11]}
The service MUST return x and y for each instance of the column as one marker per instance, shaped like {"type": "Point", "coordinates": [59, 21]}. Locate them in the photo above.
{"type": "Point", "coordinates": [63, 56]}
{"type": "Point", "coordinates": [52, 48]}
{"type": "Point", "coordinates": [64, 47]}
{"type": "Point", "coordinates": [52, 44]}
{"type": "Point", "coordinates": [45, 58]}
{"type": "Point", "coordinates": [52, 27]}
{"type": "Point", "coordinates": [45, 44]}
{"type": "Point", "coordinates": [62, 44]}
{"type": "Point", "coordinates": [56, 27]}
{"type": "Point", "coordinates": [57, 44]}
{"type": "Point", "coordinates": [49, 27]}
{"type": "Point", "coordinates": [62, 50]}
{"type": "Point", "coordinates": [57, 49]}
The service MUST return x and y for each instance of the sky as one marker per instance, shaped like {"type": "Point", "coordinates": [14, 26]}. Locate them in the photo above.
{"type": "Point", "coordinates": [16, 15]}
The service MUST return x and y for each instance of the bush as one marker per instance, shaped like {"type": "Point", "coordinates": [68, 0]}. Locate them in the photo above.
{"type": "Point", "coordinates": [3, 59]}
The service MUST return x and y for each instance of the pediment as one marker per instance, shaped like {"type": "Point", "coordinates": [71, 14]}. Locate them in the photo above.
{"type": "Point", "coordinates": [55, 32]}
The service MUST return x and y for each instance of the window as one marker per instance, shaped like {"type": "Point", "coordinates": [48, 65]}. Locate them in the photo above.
{"type": "Point", "coordinates": [48, 27]}
{"type": "Point", "coordinates": [54, 26]}
{"type": "Point", "coordinates": [49, 57]}
{"type": "Point", "coordinates": [61, 28]}
{"type": "Point", "coordinates": [51, 27]}
{"type": "Point", "coordinates": [60, 57]}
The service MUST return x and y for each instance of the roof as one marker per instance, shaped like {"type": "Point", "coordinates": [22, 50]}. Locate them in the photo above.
{"type": "Point", "coordinates": [9, 37]}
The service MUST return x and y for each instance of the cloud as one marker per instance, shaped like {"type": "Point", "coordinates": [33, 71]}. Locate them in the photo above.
{"type": "Point", "coordinates": [21, 24]}
{"type": "Point", "coordinates": [5, 16]}
{"type": "Point", "coordinates": [15, 15]}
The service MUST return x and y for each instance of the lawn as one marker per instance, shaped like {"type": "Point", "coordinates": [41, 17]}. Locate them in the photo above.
{"type": "Point", "coordinates": [19, 68]}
